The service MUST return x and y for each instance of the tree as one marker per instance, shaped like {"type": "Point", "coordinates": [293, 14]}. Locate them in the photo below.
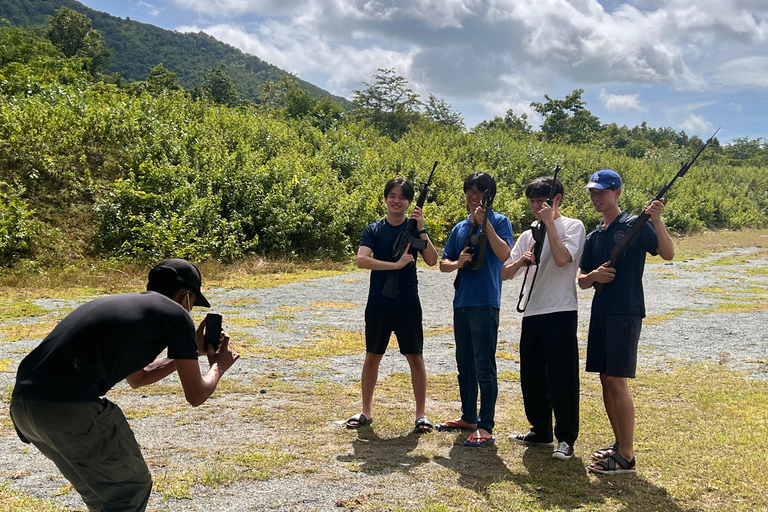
{"type": "Point", "coordinates": [160, 79]}
{"type": "Point", "coordinates": [388, 104]}
{"type": "Point", "coordinates": [218, 87]}
{"type": "Point", "coordinates": [73, 34]}
{"type": "Point", "coordinates": [567, 120]}
{"type": "Point", "coordinates": [442, 113]}
{"type": "Point", "coordinates": [517, 123]}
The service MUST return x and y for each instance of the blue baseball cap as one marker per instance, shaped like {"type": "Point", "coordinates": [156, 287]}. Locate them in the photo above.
{"type": "Point", "coordinates": [603, 179]}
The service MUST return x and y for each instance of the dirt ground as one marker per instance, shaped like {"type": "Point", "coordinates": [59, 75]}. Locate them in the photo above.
{"type": "Point", "coordinates": [273, 437]}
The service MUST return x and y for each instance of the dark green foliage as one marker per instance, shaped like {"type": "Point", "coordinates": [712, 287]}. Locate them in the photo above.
{"type": "Point", "coordinates": [18, 228]}
{"type": "Point", "coordinates": [72, 33]}
{"type": "Point", "coordinates": [217, 87]}
{"type": "Point", "coordinates": [146, 172]}
{"type": "Point", "coordinates": [388, 104]}
{"type": "Point", "coordinates": [441, 112]}
{"type": "Point", "coordinates": [567, 120]}
{"type": "Point", "coordinates": [139, 47]}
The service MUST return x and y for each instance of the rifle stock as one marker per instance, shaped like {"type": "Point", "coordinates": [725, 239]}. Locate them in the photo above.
{"type": "Point", "coordinates": [406, 238]}
{"type": "Point", "coordinates": [625, 243]}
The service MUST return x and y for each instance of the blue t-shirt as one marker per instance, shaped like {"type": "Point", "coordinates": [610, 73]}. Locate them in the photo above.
{"type": "Point", "coordinates": [623, 295]}
{"type": "Point", "coordinates": [380, 237]}
{"type": "Point", "coordinates": [481, 287]}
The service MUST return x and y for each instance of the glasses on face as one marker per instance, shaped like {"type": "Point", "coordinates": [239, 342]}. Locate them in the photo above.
{"type": "Point", "coordinates": [474, 192]}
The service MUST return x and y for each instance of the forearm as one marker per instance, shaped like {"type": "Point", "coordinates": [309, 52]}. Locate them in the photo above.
{"type": "Point", "coordinates": [155, 371]}
{"type": "Point", "coordinates": [560, 253]}
{"type": "Point", "coordinates": [447, 265]}
{"type": "Point", "coordinates": [500, 248]}
{"type": "Point", "coordinates": [586, 280]}
{"type": "Point", "coordinates": [371, 263]}
{"type": "Point", "coordinates": [666, 248]}
{"type": "Point", "coordinates": [429, 255]}
{"type": "Point", "coordinates": [510, 270]}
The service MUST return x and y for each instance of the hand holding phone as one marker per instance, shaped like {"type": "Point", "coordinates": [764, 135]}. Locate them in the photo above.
{"type": "Point", "coordinates": [212, 331]}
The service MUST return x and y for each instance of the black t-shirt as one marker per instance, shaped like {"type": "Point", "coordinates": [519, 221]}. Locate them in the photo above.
{"type": "Point", "coordinates": [381, 237]}
{"type": "Point", "coordinates": [623, 295]}
{"type": "Point", "coordinates": [101, 343]}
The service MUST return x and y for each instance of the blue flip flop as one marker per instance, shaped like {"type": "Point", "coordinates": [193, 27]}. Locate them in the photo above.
{"type": "Point", "coordinates": [480, 441]}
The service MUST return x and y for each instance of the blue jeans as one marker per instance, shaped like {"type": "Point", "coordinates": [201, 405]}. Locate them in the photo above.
{"type": "Point", "coordinates": [475, 330]}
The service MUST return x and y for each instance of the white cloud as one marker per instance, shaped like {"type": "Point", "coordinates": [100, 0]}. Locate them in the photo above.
{"type": "Point", "coordinates": [151, 9]}
{"type": "Point", "coordinates": [696, 124]}
{"type": "Point", "coordinates": [620, 102]}
{"type": "Point", "coordinates": [498, 52]}
{"type": "Point", "coordinates": [745, 72]}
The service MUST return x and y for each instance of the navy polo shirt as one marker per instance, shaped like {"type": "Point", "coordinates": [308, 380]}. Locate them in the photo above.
{"type": "Point", "coordinates": [623, 295]}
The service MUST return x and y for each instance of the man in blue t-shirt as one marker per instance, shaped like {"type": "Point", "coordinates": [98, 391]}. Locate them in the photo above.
{"type": "Point", "coordinates": [618, 310]}
{"type": "Point", "coordinates": [58, 401]}
{"type": "Point", "coordinates": [400, 314]}
{"type": "Point", "coordinates": [476, 305]}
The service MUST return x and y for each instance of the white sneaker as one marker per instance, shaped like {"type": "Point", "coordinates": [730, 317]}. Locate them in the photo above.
{"type": "Point", "coordinates": [564, 451]}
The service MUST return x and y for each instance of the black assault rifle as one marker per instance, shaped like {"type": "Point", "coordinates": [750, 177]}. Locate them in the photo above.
{"type": "Point", "coordinates": [630, 238]}
{"type": "Point", "coordinates": [406, 238]}
{"type": "Point", "coordinates": [539, 231]}
{"type": "Point", "coordinates": [475, 239]}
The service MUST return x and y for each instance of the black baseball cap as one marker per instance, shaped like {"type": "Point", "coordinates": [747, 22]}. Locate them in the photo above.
{"type": "Point", "coordinates": [176, 271]}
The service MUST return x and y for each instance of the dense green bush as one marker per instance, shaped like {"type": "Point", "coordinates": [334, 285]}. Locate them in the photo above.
{"type": "Point", "coordinates": [145, 175]}
{"type": "Point", "coordinates": [18, 229]}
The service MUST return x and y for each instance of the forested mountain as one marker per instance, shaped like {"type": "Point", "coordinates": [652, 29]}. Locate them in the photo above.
{"type": "Point", "coordinates": [139, 47]}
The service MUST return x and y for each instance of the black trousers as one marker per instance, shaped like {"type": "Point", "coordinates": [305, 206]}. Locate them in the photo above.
{"type": "Point", "coordinates": [549, 374]}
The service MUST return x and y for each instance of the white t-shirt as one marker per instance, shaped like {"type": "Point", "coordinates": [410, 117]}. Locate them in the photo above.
{"type": "Point", "coordinates": [555, 287]}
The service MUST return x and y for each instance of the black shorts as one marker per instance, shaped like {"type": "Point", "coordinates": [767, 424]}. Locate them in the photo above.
{"type": "Point", "coordinates": [405, 321]}
{"type": "Point", "coordinates": [612, 344]}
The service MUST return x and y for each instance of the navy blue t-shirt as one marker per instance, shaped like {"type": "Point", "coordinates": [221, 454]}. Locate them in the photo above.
{"type": "Point", "coordinates": [101, 343]}
{"type": "Point", "coordinates": [623, 295]}
{"type": "Point", "coordinates": [380, 237]}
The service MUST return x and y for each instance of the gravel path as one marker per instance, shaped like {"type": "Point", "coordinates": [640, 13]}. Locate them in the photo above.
{"type": "Point", "coordinates": [684, 323]}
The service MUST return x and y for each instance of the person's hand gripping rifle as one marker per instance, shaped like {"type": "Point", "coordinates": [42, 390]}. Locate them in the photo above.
{"type": "Point", "coordinates": [409, 241]}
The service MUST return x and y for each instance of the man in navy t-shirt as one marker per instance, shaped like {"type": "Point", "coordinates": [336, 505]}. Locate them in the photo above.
{"type": "Point", "coordinates": [618, 310]}
{"type": "Point", "coordinates": [57, 403]}
{"type": "Point", "coordinates": [400, 314]}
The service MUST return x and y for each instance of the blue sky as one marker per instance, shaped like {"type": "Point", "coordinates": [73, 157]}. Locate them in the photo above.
{"type": "Point", "coordinates": [694, 66]}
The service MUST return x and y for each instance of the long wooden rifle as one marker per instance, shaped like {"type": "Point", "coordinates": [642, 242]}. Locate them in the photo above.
{"type": "Point", "coordinates": [629, 239]}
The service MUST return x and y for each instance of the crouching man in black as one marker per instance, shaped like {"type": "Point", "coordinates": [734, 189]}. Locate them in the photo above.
{"type": "Point", "coordinates": [58, 401]}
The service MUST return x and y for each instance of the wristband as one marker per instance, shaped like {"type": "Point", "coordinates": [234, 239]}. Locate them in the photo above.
{"type": "Point", "coordinates": [422, 232]}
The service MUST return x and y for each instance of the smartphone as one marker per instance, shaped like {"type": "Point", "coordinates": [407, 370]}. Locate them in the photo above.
{"type": "Point", "coordinates": [212, 331]}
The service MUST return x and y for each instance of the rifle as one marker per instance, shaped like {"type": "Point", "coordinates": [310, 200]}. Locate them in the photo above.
{"type": "Point", "coordinates": [406, 238]}
{"type": "Point", "coordinates": [477, 237]}
{"type": "Point", "coordinates": [539, 231]}
{"type": "Point", "coordinates": [629, 239]}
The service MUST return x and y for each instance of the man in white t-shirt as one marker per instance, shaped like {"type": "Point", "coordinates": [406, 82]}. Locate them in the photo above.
{"type": "Point", "coordinates": [549, 356]}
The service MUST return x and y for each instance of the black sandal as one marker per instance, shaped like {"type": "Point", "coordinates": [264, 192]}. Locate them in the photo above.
{"type": "Point", "coordinates": [358, 420]}
{"type": "Point", "coordinates": [604, 453]}
{"type": "Point", "coordinates": [614, 464]}
{"type": "Point", "coordinates": [423, 425]}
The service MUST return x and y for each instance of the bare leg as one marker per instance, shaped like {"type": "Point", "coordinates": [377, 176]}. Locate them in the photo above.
{"type": "Point", "coordinates": [621, 413]}
{"type": "Point", "coordinates": [419, 381]}
{"type": "Point", "coordinates": [368, 381]}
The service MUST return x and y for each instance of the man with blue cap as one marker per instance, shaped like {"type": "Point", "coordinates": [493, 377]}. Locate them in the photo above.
{"type": "Point", "coordinates": [618, 310]}
{"type": "Point", "coordinates": [58, 401]}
